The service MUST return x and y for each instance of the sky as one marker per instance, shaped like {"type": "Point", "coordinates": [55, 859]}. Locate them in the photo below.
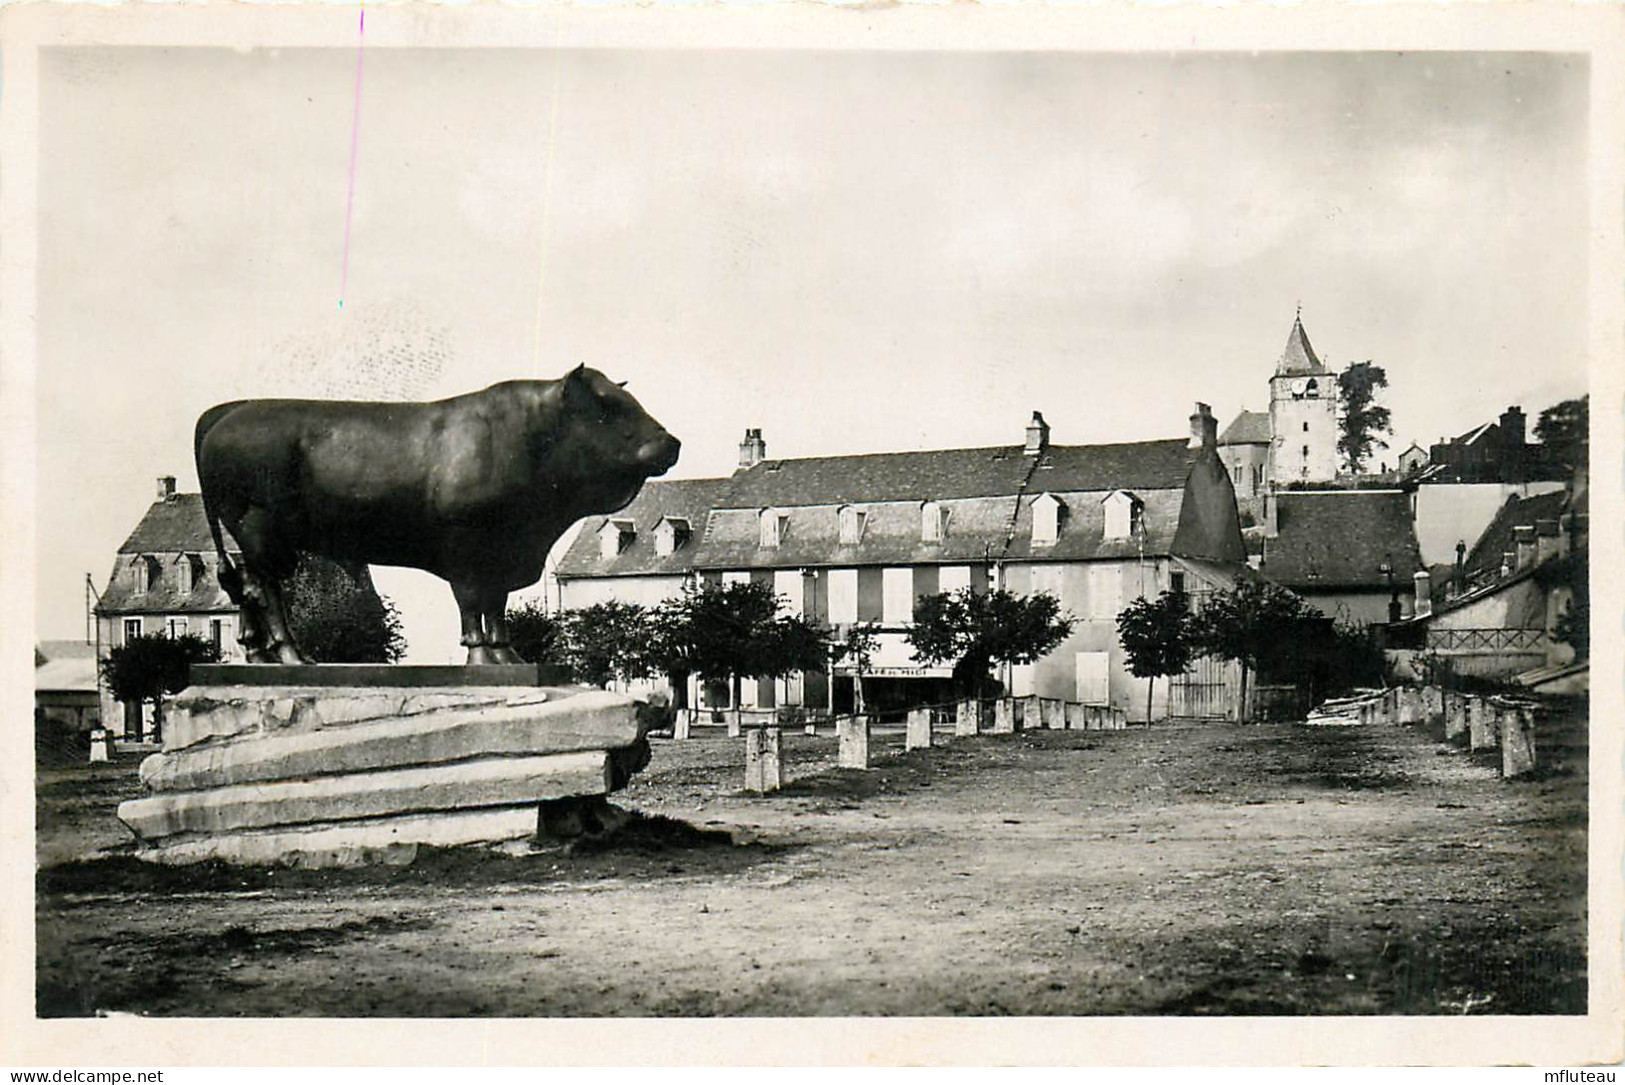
{"type": "Point", "coordinates": [853, 251]}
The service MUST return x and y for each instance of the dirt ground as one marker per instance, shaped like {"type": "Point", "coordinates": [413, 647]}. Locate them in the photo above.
{"type": "Point", "coordinates": [1197, 869]}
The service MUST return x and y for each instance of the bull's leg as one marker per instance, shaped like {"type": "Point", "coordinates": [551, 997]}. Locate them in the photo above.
{"type": "Point", "coordinates": [251, 632]}
{"type": "Point", "coordinates": [468, 598]}
{"type": "Point", "coordinates": [267, 595]}
{"type": "Point", "coordinates": [262, 557]}
{"type": "Point", "coordinates": [494, 607]}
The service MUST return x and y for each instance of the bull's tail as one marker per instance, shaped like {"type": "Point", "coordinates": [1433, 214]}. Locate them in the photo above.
{"type": "Point", "coordinates": [230, 578]}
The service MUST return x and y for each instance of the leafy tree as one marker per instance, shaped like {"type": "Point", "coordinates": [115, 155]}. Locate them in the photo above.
{"type": "Point", "coordinates": [1157, 638]}
{"type": "Point", "coordinates": [858, 644]}
{"type": "Point", "coordinates": [337, 616]}
{"type": "Point", "coordinates": [147, 667]}
{"type": "Point", "coordinates": [1255, 623]}
{"type": "Point", "coordinates": [724, 633]}
{"type": "Point", "coordinates": [608, 640]}
{"type": "Point", "coordinates": [978, 629]}
{"type": "Point", "coordinates": [535, 634]}
{"type": "Point", "coordinates": [1361, 420]}
{"type": "Point", "coordinates": [1565, 427]}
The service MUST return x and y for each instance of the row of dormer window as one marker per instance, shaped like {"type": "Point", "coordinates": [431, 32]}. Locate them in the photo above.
{"type": "Point", "coordinates": [182, 573]}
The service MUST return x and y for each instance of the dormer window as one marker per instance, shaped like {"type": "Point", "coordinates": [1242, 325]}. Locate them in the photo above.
{"type": "Point", "coordinates": [187, 570]}
{"type": "Point", "coordinates": [852, 519]}
{"type": "Point", "coordinates": [1125, 515]}
{"type": "Point", "coordinates": [773, 524]}
{"type": "Point", "coordinates": [933, 522]}
{"type": "Point", "coordinates": [146, 572]}
{"type": "Point", "coordinates": [670, 535]}
{"type": "Point", "coordinates": [614, 537]}
{"type": "Point", "coordinates": [1049, 512]}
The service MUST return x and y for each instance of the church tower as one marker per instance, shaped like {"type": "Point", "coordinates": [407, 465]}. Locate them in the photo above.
{"type": "Point", "coordinates": [1303, 414]}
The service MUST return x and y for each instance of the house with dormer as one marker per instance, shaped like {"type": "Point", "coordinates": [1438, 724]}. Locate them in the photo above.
{"type": "Point", "coordinates": [858, 539]}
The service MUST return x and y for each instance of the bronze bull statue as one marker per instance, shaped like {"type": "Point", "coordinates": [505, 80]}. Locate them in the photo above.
{"type": "Point", "coordinates": [475, 489]}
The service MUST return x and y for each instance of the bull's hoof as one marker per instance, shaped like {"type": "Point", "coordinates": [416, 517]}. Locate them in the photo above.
{"type": "Point", "coordinates": [260, 655]}
{"type": "Point", "coordinates": [502, 653]}
{"type": "Point", "coordinates": [289, 655]}
{"type": "Point", "coordinates": [480, 655]}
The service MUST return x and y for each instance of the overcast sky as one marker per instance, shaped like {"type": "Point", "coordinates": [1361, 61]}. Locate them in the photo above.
{"type": "Point", "coordinates": [853, 251]}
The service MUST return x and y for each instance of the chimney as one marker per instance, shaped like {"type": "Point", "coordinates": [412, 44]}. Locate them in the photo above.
{"type": "Point", "coordinates": [752, 450]}
{"type": "Point", "coordinates": [1461, 567]}
{"type": "Point", "coordinates": [1525, 536]}
{"type": "Point", "coordinates": [1548, 541]}
{"type": "Point", "coordinates": [166, 487]}
{"type": "Point", "coordinates": [1424, 593]}
{"type": "Point", "coordinates": [1509, 562]}
{"type": "Point", "coordinates": [1512, 427]}
{"type": "Point", "coordinates": [1204, 428]}
{"type": "Point", "coordinates": [1037, 435]}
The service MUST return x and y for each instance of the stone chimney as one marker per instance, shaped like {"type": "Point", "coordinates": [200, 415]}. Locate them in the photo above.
{"type": "Point", "coordinates": [166, 487]}
{"type": "Point", "coordinates": [1037, 435]}
{"type": "Point", "coordinates": [752, 450]}
{"type": "Point", "coordinates": [1512, 426]}
{"type": "Point", "coordinates": [1461, 567]}
{"type": "Point", "coordinates": [1525, 536]}
{"type": "Point", "coordinates": [1424, 593]}
{"type": "Point", "coordinates": [1548, 541]}
{"type": "Point", "coordinates": [1204, 428]}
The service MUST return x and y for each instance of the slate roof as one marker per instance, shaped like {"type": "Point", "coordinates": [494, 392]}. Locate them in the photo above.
{"type": "Point", "coordinates": [174, 525]}
{"type": "Point", "coordinates": [687, 498]}
{"type": "Point", "coordinates": [1497, 539]}
{"type": "Point", "coordinates": [1249, 428]}
{"type": "Point", "coordinates": [1341, 539]}
{"type": "Point", "coordinates": [1299, 358]}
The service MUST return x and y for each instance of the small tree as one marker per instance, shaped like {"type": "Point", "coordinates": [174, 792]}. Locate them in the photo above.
{"type": "Point", "coordinates": [608, 641]}
{"type": "Point", "coordinates": [978, 629]}
{"type": "Point", "coordinates": [145, 668]}
{"type": "Point", "coordinates": [535, 634]}
{"type": "Point", "coordinates": [1565, 428]}
{"type": "Point", "coordinates": [337, 616]}
{"type": "Point", "coordinates": [858, 644]}
{"type": "Point", "coordinates": [1361, 420]}
{"type": "Point", "coordinates": [1253, 623]}
{"type": "Point", "coordinates": [1157, 639]}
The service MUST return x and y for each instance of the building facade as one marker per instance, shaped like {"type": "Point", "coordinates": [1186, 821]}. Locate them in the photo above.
{"type": "Point", "coordinates": [1303, 414]}
{"type": "Point", "coordinates": [165, 581]}
{"type": "Point", "coordinates": [858, 539]}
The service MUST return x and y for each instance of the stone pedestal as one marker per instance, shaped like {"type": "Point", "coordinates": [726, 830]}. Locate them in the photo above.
{"type": "Point", "coordinates": [1480, 724]}
{"type": "Point", "coordinates": [853, 734]}
{"type": "Point", "coordinates": [918, 736]}
{"type": "Point", "coordinates": [1004, 716]}
{"type": "Point", "coordinates": [1455, 714]}
{"type": "Point", "coordinates": [1432, 705]}
{"type": "Point", "coordinates": [101, 745]}
{"type": "Point", "coordinates": [1049, 712]}
{"type": "Point", "coordinates": [319, 775]}
{"type": "Point", "coordinates": [1410, 705]}
{"type": "Point", "coordinates": [1517, 740]}
{"type": "Point", "coordinates": [967, 719]}
{"type": "Point", "coordinates": [1072, 716]}
{"type": "Point", "coordinates": [762, 745]}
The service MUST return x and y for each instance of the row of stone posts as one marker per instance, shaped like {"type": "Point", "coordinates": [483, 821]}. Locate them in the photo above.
{"type": "Point", "coordinates": [1479, 722]}
{"type": "Point", "coordinates": [970, 718]}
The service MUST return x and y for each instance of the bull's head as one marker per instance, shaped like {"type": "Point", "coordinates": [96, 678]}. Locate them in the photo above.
{"type": "Point", "coordinates": [615, 433]}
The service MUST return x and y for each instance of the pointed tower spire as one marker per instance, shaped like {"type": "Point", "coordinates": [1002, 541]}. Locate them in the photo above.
{"type": "Point", "coordinates": [1299, 358]}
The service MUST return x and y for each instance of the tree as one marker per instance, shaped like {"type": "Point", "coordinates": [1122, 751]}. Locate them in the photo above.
{"type": "Point", "coordinates": [1361, 420]}
{"type": "Point", "coordinates": [1254, 623]}
{"type": "Point", "coordinates": [147, 667]}
{"type": "Point", "coordinates": [337, 616]}
{"type": "Point", "coordinates": [858, 644]}
{"type": "Point", "coordinates": [978, 629]}
{"type": "Point", "coordinates": [1157, 638]}
{"type": "Point", "coordinates": [607, 641]}
{"type": "Point", "coordinates": [535, 634]}
{"type": "Point", "coordinates": [1565, 427]}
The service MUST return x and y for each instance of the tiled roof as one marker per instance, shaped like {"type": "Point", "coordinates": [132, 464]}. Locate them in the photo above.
{"type": "Point", "coordinates": [1249, 428]}
{"type": "Point", "coordinates": [1298, 359]}
{"type": "Point", "coordinates": [1497, 539]}
{"type": "Point", "coordinates": [689, 499]}
{"type": "Point", "coordinates": [205, 596]}
{"type": "Point", "coordinates": [957, 473]}
{"type": "Point", "coordinates": [1341, 540]}
{"type": "Point", "coordinates": [174, 525]}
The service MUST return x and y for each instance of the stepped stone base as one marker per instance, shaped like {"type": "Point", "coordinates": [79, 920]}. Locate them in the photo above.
{"type": "Point", "coordinates": [334, 775]}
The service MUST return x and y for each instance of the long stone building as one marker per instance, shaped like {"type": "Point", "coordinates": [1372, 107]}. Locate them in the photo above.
{"type": "Point", "coordinates": [849, 539]}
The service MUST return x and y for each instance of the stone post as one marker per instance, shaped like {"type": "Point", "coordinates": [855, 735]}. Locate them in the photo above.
{"type": "Point", "coordinates": [681, 723]}
{"type": "Point", "coordinates": [1390, 705]}
{"type": "Point", "coordinates": [762, 746]}
{"type": "Point", "coordinates": [1119, 719]}
{"type": "Point", "coordinates": [1455, 714]}
{"type": "Point", "coordinates": [918, 736]}
{"type": "Point", "coordinates": [1072, 716]}
{"type": "Point", "coordinates": [1517, 740]}
{"type": "Point", "coordinates": [1004, 716]}
{"type": "Point", "coordinates": [101, 745]}
{"type": "Point", "coordinates": [811, 727]}
{"type": "Point", "coordinates": [968, 718]}
{"type": "Point", "coordinates": [1092, 718]}
{"type": "Point", "coordinates": [1432, 705]}
{"type": "Point", "coordinates": [853, 732]}
{"type": "Point", "coordinates": [1480, 724]}
{"type": "Point", "coordinates": [1410, 705]}
{"type": "Point", "coordinates": [733, 721]}
{"type": "Point", "coordinates": [1049, 710]}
